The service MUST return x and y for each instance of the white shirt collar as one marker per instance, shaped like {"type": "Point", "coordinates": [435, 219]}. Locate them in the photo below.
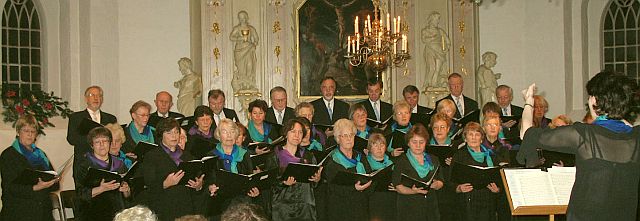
{"type": "Point", "coordinates": [95, 114]}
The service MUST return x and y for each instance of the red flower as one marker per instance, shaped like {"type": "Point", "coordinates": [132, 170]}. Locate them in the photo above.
{"type": "Point", "coordinates": [11, 93]}
{"type": "Point", "coordinates": [19, 109]}
{"type": "Point", "coordinates": [25, 102]}
{"type": "Point", "coordinates": [45, 120]}
{"type": "Point", "coordinates": [48, 106]}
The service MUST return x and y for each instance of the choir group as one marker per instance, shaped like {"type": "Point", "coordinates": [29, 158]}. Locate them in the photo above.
{"type": "Point", "coordinates": [329, 160]}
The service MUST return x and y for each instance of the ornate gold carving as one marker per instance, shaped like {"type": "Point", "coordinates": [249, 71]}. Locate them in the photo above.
{"type": "Point", "coordinates": [215, 28]}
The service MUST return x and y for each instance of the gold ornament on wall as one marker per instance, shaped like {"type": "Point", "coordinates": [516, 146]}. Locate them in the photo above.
{"type": "Point", "coordinates": [216, 29]}
{"type": "Point", "coordinates": [276, 32]}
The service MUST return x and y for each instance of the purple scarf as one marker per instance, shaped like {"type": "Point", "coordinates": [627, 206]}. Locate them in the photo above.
{"type": "Point", "coordinates": [284, 157]}
{"type": "Point", "coordinates": [194, 131]}
{"type": "Point", "coordinates": [113, 165]}
{"type": "Point", "coordinates": [175, 155]}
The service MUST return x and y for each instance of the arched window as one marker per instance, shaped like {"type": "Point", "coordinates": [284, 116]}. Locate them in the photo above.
{"type": "Point", "coordinates": [21, 46]}
{"type": "Point", "coordinates": [621, 37]}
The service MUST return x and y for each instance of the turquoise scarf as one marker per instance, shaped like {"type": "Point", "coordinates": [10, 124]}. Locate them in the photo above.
{"type": "Point", "coordinates": [395, 127]}
{"type": "Point", "coordinates": [36, 157]}
{"type": "Point", "coordinates": [146, 135]}
{"type": "Point", "coordinates": [482, 155]}
{"type": "Point", "coordinates": [340, 158]}
{"type": "Point", "coordinates": [364, 134]}
{"type": "Point", "coordinates": [122, 156]}
{"type": "Point", "coordinates": [423, 169]}
{"type": "Point", "coordinates": [315, 145]}
{"type": "Point", "coordinates": [230, 161]}
{"type": "Point", "coordinates": [446, 142]}
{"type": "Point", "coordinates": [376, 165]}
{"type": "Point", "coordinates": [256, 136]}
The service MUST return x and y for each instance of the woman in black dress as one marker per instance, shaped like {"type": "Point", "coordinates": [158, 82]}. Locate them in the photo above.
{"type": "Point", "coordinates": [607, 151]}
{"type": "Point", "coordinates": [418, 203]}
{"type": "Point", "coordinates": [402, 123]}
{"type": "Point", "coordinates": [382, 201]}
{"type": "Point", "coordinates": [260, 130]}
{"type": "Point", "coordinates": [200, 138]}
{"type": "Point", "coordinates": [292, 200]}
{"type": "Point", "coordinates": [346, 202]}
{"type": "Point", "coordinates": [167, 198]}
{"type": "Point", "coordinates": [25, 202]}
{"type": "Point", "coordinates": [138, 129]}
{"type": "Point", "coordinates": [232, 158]}
{"type": "Point", "coordinates": [477, 202]}
{"type": "Point", "coordinates": [501, 147]}
{"type": "Point", "coordinates": [358, 114]}
{"type": "Point", "coordinates": [100, 202]}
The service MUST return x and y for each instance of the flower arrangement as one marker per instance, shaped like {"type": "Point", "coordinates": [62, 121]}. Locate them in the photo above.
{"type": "Point", "coordinates": [43, 106]}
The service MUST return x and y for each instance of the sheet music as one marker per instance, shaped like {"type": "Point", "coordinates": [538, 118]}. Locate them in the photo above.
{"type": "Point", "coordinates": [533, 187]}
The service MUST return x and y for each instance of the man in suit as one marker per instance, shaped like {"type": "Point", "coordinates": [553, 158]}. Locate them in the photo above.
{"type": "Point", "coordinates": [164, 102]}
{"type": "Point", "coordinates": [376, 109]}
{"type": "Point", "coordinates": [94, 98]}
{"type": "Point", "coordinates": [216, 103]}
{"type": "Point", "coordinates": [328, 109]}
{"type": "Point", "coordinates": [279, 113]}
{"type": "Point", "coordinates": [504, 94]}
{"type": "Point", "coordinates": [464, 104]}
{"type": "Point", "coordinates": [411, 95]}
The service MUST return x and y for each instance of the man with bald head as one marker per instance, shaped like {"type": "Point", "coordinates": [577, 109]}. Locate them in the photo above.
{"type": "Point", "coordinates": [164, 102]}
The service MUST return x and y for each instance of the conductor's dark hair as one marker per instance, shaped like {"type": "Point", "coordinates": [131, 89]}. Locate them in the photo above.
{"type": "Point", "coordinates": [616, 95]}
{"type": "Point", "coordinates": [259, 104]}
{"type": "Point", "coordinates": [165, 125]}
{"type": "Point", "coordinates": [99, 132]}
{"type": "Point", "coordinates": [290, 124]}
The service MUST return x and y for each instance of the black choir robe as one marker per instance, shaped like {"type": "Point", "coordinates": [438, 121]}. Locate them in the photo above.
{"type": "Point", "coordinates": [295, 202]}
{"type": "Point", "coordinates": [345, 202]}
{"type": "Point", "coordinates": [20, 202]}
{"type": "Point", "coordinates": [103, 206]}
{"type": "Point", "coordinates": [416, 206]}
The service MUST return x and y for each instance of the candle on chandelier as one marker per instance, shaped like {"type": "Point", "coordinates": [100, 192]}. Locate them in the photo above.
{"type": "Point", "coordinates": [356, 24]}
{"type": "Point", "coordinates": [399, 24]}
{"type": "Point", "coordinates": [379, 39]}
{"type": "Point", "coordinates": [395, 24]}
{"type": "Point", "coordinates": [388, 24]}
{"type": "Point", "coordinates": [348, 44]}
{"type": "Point", "coordinates": [404, 43]}
{"type": "Point", "coordinates": [357, 43]}
{"type": "Point", "coordinates": [369, 23]}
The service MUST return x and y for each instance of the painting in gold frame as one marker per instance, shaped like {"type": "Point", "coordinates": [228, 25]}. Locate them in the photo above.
{"type": "Point", "coordinates": [322, 27]}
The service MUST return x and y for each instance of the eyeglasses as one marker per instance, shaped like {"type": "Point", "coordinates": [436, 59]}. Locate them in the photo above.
{"type": "Point", "coordinates": [28, 131]}
{"type": "Point", "coordinates": [102, 141]}
{"type": "Point", "coordinates": [347, 135]}
{"type": "Point", "coordinates": [94, 95]}
{"type": "Point", "coordinates": [441, 127]}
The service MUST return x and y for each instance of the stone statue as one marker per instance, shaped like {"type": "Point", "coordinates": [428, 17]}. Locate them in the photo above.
{"type": "Point", "coordinates": [436, 48]}
{"type": "Point", "coordinates": [487, 80]}
{"type": "Point", "coordinates": [245, 39]}
{"type": "Point", "coordinates": [190, 87]}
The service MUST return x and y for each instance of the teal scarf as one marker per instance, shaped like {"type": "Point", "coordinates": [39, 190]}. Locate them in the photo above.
{"type": "Point", "coordinates": [395, 127]}
{"type": "Point", "coordinates": [230, 161]}
{"type": "Point", "coordinates": [446, 142]}
{"type": "Point", "coordinates": [340, 158]}
{"type": "Point", "coordinates": [482, 155]}
{"type": "Point", "coordinates": [315, 145]}
{"type": "Point", "coordinates": [146, 135]}
{"type": "Point", "coordinates": [36, 157]}
{"type": "Point", "coordinates": [256, 136]}
{"type": "Point", "coordinates": [423, 169]}
{"type": "Point", "coordinates": [376, 165]}
{"type": "Point", "coordinates": [364, 134]}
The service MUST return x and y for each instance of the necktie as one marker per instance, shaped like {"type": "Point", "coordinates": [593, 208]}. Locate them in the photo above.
{"type": "Point", "coordinates": [330, 109]}
{"type": "Point", "coordinates": [279, 117]}
{"type": "Point", "coordinates": [504, 111]}
{"type": "Point", "coordinates": [94, 117]}
{"type": "Point", "coordinates": [375, 110]}
{"type": "Point", "coordinates": [217, 118]}
{"type": "Point", "coordinates": [459, 104]}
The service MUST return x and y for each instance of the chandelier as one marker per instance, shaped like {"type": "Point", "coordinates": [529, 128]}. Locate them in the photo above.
{"type": "Point", "coordinates": [379, 44]}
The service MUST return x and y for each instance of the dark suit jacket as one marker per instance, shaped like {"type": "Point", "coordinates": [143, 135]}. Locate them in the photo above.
{"type": "Point", "coordinates": [80, 143]}
{"type": "Point", "coordinates": [321, 113]}
{"type": "Point", "coordinates": [289, 113]}
{"type": "Point", "coordinates": [469, 105]}
{"type": "Point", "coordinates": [424, 110]}
{"type": "Point", "coordinates": [513, 131]}
{"type": "Point", "coordinates": [229, 114]}
{"type": "Point", "coordinates": [386, 110]}
{"type": "Point", "coordinates": [171, 114]}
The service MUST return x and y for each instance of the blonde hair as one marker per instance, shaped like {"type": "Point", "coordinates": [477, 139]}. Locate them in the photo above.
{"type": "Point", "coordinates": [376, 138]}
{"type": "Point", "coordinates": [564, 118]}
{"type": "Point", "coordinates": [138, 213]}
{"type": "Point", "coordinates": [449, 103]}
{"type": "Point", "coordinates": [398, 105]}
{"type": "Point", "coordinates": [26, 120]}
{"type": "Point", "coordinates": [343, 125]}
{"type": "Point", "coordinates": [116, 131]}
{"type": "Point", "coordinates": [229, 124]}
